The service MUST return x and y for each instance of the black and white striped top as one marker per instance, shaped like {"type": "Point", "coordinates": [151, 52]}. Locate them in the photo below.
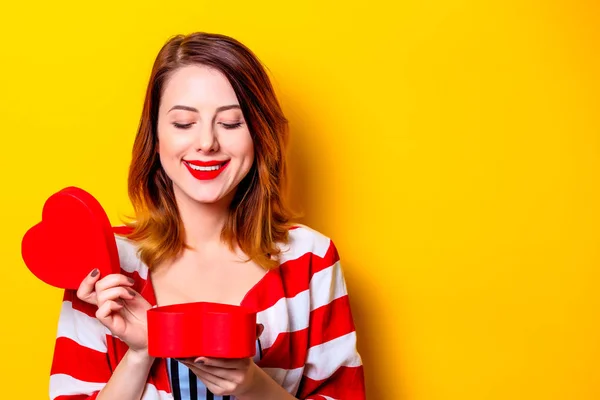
{"type": "Point", "coordinates": [186, 386]}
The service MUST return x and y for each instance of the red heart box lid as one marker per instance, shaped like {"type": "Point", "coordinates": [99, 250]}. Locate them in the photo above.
{"type": "Point", "coordinates": [201, 329]}
{"type": "Point", "coordinates": [73, 238]}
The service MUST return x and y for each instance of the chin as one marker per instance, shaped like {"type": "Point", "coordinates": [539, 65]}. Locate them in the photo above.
{"type": "Point", "coordinates": [207, 197]}
{"type": "Point", "coordinates": [210, 194]}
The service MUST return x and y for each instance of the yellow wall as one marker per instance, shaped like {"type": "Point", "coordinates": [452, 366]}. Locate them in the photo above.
{"type": "Point", "coordinates": [450, 148]}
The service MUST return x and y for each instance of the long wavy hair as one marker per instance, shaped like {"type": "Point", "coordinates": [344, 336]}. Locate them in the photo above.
{"type": "Point", "coordinates": [259, 215]}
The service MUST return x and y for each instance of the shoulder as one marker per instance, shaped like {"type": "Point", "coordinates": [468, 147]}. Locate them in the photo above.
{"type": "Point", "coordinates": [309, 244]}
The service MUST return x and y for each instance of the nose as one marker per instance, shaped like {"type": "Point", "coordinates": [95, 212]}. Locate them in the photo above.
{"type": "Point", "coordinates": [206, 140]}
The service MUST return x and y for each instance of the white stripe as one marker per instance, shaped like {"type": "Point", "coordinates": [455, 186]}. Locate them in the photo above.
{"type": "Point", "coordinates": [66, 385]}
{"type": "Point", "coordinates": [327, 397]}
{"type": "Point", "coordinates": [151, 393]}
{"type": "Point", "coordinates": [184, 381]}
{"type": "Point", "coordinates": [323, 360]}
{"type": "Point", "coordinates": [304, 240]}
{"type": "Point", "coordinates": [289, 379]}
{"type": "Point", "coordinates": [293, 314]}
{"type": "Point", "coordinates": [201, 390]}
{"type": "Point", "coordinates": [326, 286]}
{"type": "Point", "coordinates": [128, 257]}
{"type": "Point", "coordinates": [81, 328]}
{"type": "Point", "coordinates": [287, 315]}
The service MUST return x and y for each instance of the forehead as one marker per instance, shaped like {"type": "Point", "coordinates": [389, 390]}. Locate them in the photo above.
{"type": "Point", "coordinates": [198, 86]}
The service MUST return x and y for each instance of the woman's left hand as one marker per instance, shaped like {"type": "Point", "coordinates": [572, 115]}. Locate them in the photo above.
{"type": "Point", "coordinates": [225, 377]}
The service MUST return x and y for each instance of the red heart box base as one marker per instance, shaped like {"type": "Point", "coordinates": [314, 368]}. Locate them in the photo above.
{"type": "Point", "coordinates": [201, 329]}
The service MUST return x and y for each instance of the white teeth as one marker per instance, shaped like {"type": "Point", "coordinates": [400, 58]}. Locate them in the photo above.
{"type": "Point", "coordinates": [198, 168]}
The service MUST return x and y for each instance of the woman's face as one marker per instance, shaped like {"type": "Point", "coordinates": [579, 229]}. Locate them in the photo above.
{"type": "Point", "coordinates": [204, 143]}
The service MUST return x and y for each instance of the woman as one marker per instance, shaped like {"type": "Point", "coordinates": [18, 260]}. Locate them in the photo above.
{"type": "Point", "coordinates": [206, 183]}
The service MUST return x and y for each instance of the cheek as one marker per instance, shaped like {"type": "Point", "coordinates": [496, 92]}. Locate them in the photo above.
{"type": "Point", "coordinates": [171, 145]}
{"type": "Point", "coordinates": [249, 151]}
{"type": "Point", "coordinates": [239, 146]}
{"type": "Point", "coordinates": [164, 152]}
{"type": "Point", "coordinates": [246, 147]}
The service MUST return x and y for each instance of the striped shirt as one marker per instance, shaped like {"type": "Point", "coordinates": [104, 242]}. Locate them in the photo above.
{"type": "Point", "coordinates": [308, 342]}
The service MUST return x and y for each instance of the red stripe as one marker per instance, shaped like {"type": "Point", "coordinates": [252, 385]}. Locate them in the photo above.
{"type": "Point", "coordinates": [346, 383]}
{"type": "Point", "coordinates": [294, 275]}
{"type": "Point", "coordinates": [79, 305]}
{"type": "Point", "coordinates": [122, 230]}
{"type": "Point", "coordinates": [331, 321]}
{"type": "Point", "coordinates": [79, 362]}
{"type": "Point", "coordinates": [330, 258]}
{"type": "Point", "coordinates": [288, 351]}
{"type": "Point", "coordinates": [291, 278]}
{"type": "Point", "coordinates": [159, 376]}
{"type": "Point", "coordinates": [79, 397]}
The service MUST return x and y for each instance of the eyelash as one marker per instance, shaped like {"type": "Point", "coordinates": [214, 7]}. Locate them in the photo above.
{"type": "Point", "coordinates": [231, 126]}
{"type": "Point", "coordinates": [226, 126]}
{"type": "Point", "coordinates": [182, 126]}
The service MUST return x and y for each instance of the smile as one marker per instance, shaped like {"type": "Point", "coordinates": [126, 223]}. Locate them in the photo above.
{"type": "Point", "coordinates": [211, 168]}
{"type": "Point", "coordinates": [206, 170]}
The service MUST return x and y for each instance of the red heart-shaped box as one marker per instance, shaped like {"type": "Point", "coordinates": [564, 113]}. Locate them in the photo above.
{"type": "Point", "coordinates": [201, 329]}
{"type": "Point", "coordinates": [73, 238]}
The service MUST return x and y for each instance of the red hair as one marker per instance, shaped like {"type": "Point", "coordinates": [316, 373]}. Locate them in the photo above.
{"type": "Point", "coordinates": [259, 216]}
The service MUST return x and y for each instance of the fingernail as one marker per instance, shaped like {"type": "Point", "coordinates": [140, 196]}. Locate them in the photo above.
{"type": "Point", "coordinates": [131, 280]}
{"type": "Point", "coordinates": [94, 272]}
{"type": "Point", "coordinates": [131, 292]}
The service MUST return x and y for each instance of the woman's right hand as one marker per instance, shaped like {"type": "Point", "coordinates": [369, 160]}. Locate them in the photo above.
{"type": "Point", "coordinates": [120, 308]}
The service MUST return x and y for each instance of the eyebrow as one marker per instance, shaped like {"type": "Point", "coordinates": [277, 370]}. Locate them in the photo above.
{"type": "Point", "coordinates": [192, 109]}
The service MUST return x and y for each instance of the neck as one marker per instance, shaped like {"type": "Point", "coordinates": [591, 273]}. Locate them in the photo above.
{"type": "Point", "coordinates": [203, 222]}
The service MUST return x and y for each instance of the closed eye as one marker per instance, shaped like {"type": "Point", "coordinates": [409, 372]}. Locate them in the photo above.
{"type": "Point", "coordinates": [230, 126]}
{"type": "Point", "coordinates": [182, 126]}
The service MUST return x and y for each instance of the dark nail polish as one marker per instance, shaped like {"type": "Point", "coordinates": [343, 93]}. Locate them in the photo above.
{"type": "Point", "coordinates": [131, 292]}
{"type": "Point", "coordinates": [131, 280]}
{"type": "Point", "coordinates": [94, 272]}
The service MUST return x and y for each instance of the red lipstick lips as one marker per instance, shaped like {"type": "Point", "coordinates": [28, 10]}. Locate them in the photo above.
{"type": "Point", "coordinates": [205, 170]}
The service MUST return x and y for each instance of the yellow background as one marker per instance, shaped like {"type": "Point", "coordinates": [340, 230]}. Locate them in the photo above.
{"type": "Point", "coordinates": [450, 148]}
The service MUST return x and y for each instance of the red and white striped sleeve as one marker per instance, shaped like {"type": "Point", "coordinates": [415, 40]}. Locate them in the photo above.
{"type": "Point", "coordinates": [80, 366]}
{"type": "Point", "coordinates": [333, 368]}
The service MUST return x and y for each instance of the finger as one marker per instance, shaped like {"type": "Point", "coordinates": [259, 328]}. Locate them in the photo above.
{"type": "Point", "coordinates": [228, 363]}
{"type": "Point", "coordinates": [212, 382]}
{"type": "Point", "coordinates": [86, 290]}
{"type": "Point", "coordinates": [113, 280]}
{"type": "Point", "coordinates": [259, 330]}
{"type": "Point", "coordinates": [114, 294]}
{"type": "Point", "coordinates": [227, 374]}
{"type": "Point", "coordinates": [136, 302]}
{"type": "Point", "coordinates": [105, 312]}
